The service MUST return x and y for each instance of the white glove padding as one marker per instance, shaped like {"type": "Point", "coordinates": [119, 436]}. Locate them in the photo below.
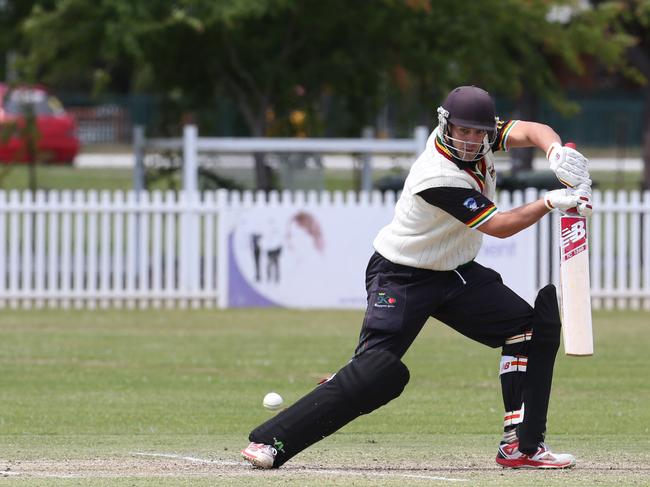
{"type": "Point", "coordinates": [585, 207]}
{"type": "Point", "coordinates": [561, 199]}
{"type": "Point", "coordinates": [570, 167]}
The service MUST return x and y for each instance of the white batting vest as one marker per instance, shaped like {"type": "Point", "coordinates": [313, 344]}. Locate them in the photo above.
{"type": "Point", "coordinates": [425, 236]}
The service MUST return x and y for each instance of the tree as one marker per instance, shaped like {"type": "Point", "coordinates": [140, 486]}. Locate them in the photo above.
{"type": "Point", "coordinates": [632, 17]}
{"type": "Point", "coordinates": [259, 53]}
{"type": "Point", "coordinates": [12, 14]}
{"type": "Point", "coordinates": [275, 56]}
{"type": "Point", "coordinates": [529, 48]}
{"type": "Point", "coordinates": [636, 21]}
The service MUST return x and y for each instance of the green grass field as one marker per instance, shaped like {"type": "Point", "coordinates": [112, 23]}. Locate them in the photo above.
{"type": "Point", "coordinates": [165, 398]}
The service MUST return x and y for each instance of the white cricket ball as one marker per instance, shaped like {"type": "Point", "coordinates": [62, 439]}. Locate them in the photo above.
{"type": "Point", "coordinates": [272, 401]}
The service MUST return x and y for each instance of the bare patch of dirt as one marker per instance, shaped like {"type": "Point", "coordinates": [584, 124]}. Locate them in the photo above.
{"type": "Point", "coordinates": [152, 465]}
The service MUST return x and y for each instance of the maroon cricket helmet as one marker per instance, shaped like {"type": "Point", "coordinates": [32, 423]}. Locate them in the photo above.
{"type": "Point", "coordinates": [472, 107]}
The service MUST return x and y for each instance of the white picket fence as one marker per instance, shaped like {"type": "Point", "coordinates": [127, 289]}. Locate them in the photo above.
{"type": "Point", "coordinates": [102, 249]}
{"type": "Point", "coordinates": [619, 246]}
{"type": "Point", "coordinates": [160, 249]}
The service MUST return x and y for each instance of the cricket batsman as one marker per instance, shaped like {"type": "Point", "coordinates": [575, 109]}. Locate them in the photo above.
{"type": "Point", "coordinates": [423, 266]}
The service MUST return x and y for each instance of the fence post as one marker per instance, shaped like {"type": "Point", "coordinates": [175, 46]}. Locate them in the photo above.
{"type": "Point", "coordinates": [138, 150]}
{"type": "Point", "coordinates": [189, 246]}
{"type": "Point", "coordinates": [222, 248]}
{"type": "Point", "coordinates": [366, 162]}
{"type": "Point", "coordinates": [139, 144]}
{"type": "Point", "coordinates": [420, 135]}
{"type": "Point", "coordinates": [190, 169]}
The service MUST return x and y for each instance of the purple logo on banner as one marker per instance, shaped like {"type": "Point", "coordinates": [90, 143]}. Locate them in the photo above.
{"type": "Point", "coordinates": [240, 293]}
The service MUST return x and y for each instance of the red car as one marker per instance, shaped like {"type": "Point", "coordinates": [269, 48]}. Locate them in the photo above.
{"type": "Point", "coordinates": [57, 143]}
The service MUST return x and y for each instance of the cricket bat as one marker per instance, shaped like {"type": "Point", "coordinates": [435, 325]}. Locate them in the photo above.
{"type": "Point", "coordinates": [575, 294]}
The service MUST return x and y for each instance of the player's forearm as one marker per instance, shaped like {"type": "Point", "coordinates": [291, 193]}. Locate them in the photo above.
{"type": "Point", "coordinates": [527, 134]}
{"type": "Point", "coordinates": [507, 223]}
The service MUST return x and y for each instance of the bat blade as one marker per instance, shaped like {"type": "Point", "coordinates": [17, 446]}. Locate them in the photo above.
{"type": "Point", "coordinates": [575, 295]}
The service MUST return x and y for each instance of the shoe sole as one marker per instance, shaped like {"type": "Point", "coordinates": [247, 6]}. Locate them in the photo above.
{"type": "Point", "coordinates": [515, 464]}
{"type": "Point", "coordinates": [254, 461]}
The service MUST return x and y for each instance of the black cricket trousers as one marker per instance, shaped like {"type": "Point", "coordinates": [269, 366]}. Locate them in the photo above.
{"type": "Point", "coordinates": [471, 299]}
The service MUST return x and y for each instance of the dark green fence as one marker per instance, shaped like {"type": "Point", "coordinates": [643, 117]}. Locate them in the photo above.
{"type": "Point", "coordinates": [604, 119]}
{"type": "Point", "coordinates": [612, 119]}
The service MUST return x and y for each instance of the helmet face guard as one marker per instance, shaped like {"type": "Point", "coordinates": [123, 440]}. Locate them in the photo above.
{"type": "Point", "coordinates": [469, 107]}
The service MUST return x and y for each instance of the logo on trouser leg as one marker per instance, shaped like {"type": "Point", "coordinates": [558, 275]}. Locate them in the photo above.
{"type": "Point", "coordinates": [278, 445]}
{"type": "Point", "coordinates": [385, 301]}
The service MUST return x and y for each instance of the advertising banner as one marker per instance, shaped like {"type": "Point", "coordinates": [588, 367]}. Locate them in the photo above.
{"type": "Point", "coordinates": [311, 257]}
{"type": "Point", "coordinates": [315, 256]}
{"type": "Point", "coordinates": [515, 258]}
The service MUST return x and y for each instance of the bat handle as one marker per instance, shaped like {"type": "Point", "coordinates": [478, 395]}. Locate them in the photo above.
{"type": "Point", "coordinates": [571, 211]}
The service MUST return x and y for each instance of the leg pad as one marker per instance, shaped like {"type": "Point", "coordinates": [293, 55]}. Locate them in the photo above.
{"type": "Point", "coordinates": [539, 372]}
{"type": "Point", "coordinates": [366, 383]}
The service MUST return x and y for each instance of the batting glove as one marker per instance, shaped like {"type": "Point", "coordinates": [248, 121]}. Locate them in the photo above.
{"type": "Point", "coordinates": [561, 199]}
{"type": "Point", "coordinates": [569, 166]}
{"type": "Point", "coordinates": [585, 207]}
